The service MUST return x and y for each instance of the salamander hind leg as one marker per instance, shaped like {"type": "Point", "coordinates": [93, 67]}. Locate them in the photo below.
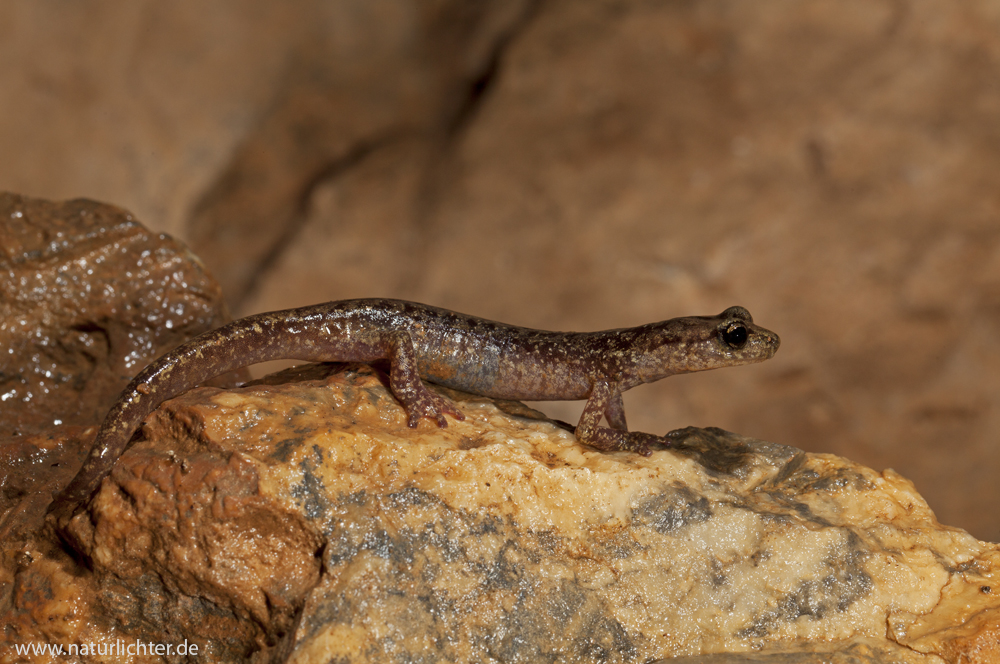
{"type": "Point", "coordinates": [416, 399]}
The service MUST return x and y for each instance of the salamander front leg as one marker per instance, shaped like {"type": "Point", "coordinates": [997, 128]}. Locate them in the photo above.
{"type": "Point", "coordinates": [606, 400]}
{"type": "Point", "coordinates": [405, 383]}
{"type": "Point", "coordinates": [614, 411]}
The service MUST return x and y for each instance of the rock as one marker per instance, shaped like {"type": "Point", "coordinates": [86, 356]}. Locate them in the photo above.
{"type": "Point", "coordinates": [88, 297]}
{"type": "Point", "coordinates": [299, 519]}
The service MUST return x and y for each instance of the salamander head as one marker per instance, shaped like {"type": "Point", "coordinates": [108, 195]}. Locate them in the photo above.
{"type": "Point", "coordinates": [698, 343]}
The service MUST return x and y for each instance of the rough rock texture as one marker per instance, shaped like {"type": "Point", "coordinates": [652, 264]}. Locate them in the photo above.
{"type": "Point", "coordinates": [302, 521]}
{"type": "Point", "coordinates": [88, 297]}
{"type": "Point", "coordinates": [579, 164]}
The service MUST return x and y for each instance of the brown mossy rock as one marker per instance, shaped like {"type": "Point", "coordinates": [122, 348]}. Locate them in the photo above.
{"type": "Point", "coordinates": [313, 525]}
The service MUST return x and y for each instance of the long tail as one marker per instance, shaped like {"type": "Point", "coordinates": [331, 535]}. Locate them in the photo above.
{"type": "Point", "coordinates": [238, 344]}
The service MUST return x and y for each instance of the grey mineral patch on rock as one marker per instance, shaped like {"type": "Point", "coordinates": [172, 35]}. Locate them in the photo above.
{"type": "Point", "coordinates": [724, 453]}
{"type": "Point", "coordinates": [672, 510]}
{"type": "Point", "coordinates": [846, 582]}
{"type": "Point", "coordinates": [446, 541]}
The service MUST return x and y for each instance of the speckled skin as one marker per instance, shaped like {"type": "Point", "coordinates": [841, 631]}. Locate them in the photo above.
{"type": "Point", "coordinates": [447, 348]}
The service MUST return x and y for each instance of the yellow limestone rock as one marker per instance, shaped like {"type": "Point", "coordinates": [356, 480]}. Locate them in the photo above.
{"type": "Point", "coordinates": [309, 510]}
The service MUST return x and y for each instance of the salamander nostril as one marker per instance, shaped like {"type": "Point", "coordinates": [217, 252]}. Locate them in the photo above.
{"type": "Point", "coordinates": [735, 335]}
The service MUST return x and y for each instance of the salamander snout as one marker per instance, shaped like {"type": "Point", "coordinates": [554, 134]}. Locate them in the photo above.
{"type": "Point", "coordinates": [698, 343]}
{"type": "Point", "coordinates": [743, 342]}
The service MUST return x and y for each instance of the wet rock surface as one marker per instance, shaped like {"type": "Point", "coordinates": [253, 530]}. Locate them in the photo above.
{"type": "Point", "coordinates": [299, 519]}
{"type": "Point", "coordinates": [88, 297]}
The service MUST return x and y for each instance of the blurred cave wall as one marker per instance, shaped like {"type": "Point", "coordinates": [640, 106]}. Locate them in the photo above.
{"type": "Point", "coordinates": [833, 165]}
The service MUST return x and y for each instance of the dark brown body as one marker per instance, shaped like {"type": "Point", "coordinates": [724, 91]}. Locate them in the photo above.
{"type": "Point", "coordinates": [447, 348]}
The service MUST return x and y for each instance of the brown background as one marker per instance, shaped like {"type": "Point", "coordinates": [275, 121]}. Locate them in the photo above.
{"type": "Point", "coordinates": [833, 165]}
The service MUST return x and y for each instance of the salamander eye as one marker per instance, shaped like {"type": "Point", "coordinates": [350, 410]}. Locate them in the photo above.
{"type": "Point", "coordinates": [735, 335]}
